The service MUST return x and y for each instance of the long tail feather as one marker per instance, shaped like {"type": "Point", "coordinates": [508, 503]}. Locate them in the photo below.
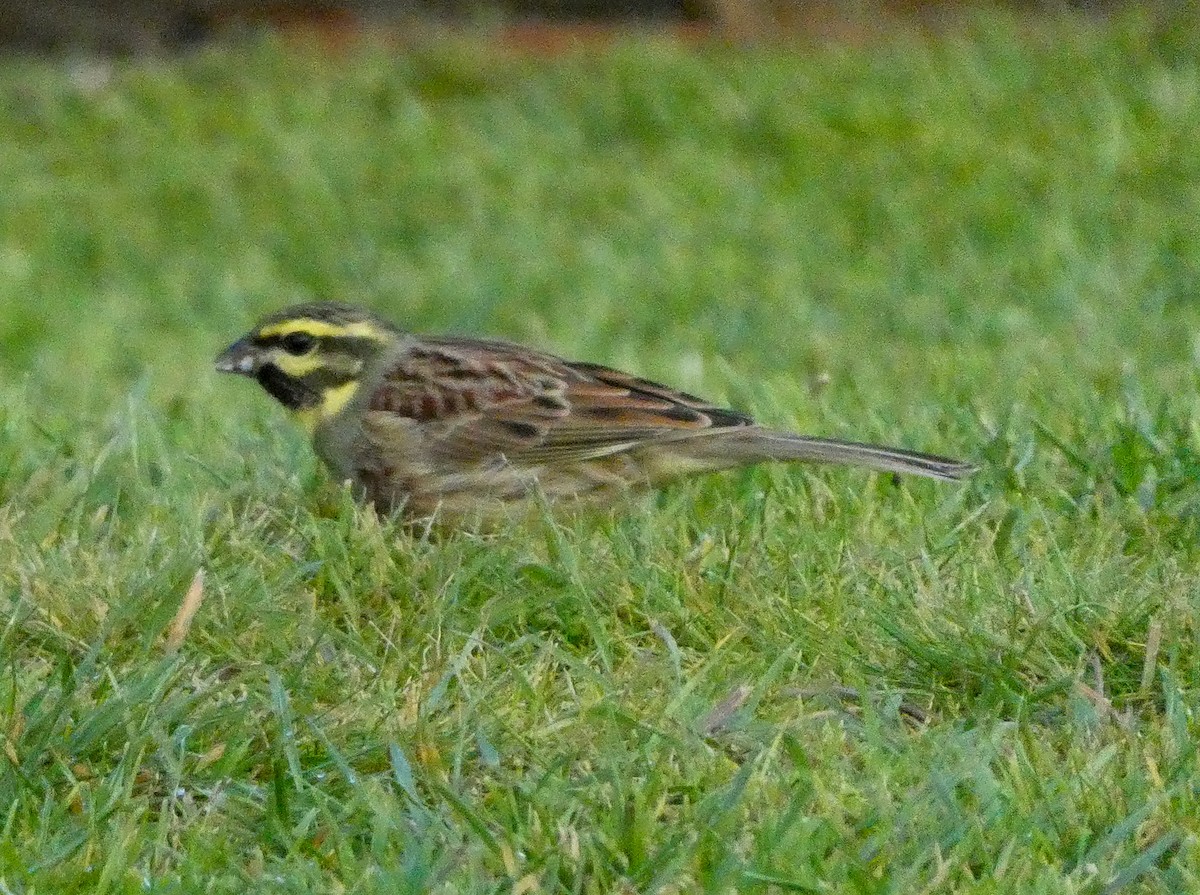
{"type": "Point", "coordinates": [785, 446]}
{"type": "Point", "coordinates": [752, 445]}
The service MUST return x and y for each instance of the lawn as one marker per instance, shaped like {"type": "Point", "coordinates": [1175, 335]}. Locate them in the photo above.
{"type": "Point", "coordinates": [984, 244]}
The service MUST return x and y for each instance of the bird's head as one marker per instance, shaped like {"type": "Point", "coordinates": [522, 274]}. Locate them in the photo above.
{"type": "Point", "coordinates": [311, 358]}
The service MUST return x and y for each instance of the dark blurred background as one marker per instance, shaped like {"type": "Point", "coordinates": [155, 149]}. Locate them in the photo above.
{"type": "Point", "coordinates": [124, 27]}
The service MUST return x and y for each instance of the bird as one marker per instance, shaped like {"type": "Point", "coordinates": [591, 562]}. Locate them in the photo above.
{"type": "Point", "coordinates": [450, 427]}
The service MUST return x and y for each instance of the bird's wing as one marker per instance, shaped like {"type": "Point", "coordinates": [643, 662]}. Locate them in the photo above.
{"type": "Point", "coordinates": [481, 399]}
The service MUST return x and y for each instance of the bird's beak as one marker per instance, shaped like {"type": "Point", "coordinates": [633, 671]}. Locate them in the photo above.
{"type": "Point", "coordinates": [241, 357]}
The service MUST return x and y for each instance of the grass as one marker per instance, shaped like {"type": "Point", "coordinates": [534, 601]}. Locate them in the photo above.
{"type": "Point", "coordinates": [783, 680]}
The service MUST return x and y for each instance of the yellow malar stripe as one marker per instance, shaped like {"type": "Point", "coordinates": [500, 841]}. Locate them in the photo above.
{"type": "Point", "coordinates": [333, 402]}
{"type": "Point", "coordinates": [363, 329]}
{"type": "Point", "coordinates": [336, 399]}
{"type": "Point", "coordinates": [308, 418]}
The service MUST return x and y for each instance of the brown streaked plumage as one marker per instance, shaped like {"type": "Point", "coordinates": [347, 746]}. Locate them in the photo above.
{"type": "Point", "coordinates": [460, 426]}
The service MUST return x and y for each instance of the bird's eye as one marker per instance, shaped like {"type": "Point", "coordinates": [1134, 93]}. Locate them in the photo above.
{"type": "Point", "coordinates": [298, 343]}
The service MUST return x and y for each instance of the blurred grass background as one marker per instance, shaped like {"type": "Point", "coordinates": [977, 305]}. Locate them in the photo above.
{"type": "Point", "coordinates": [981, 242]}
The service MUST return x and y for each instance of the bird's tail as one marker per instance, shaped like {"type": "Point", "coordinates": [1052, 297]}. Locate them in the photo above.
{"type": "Point", "coordinates": [753, 445]}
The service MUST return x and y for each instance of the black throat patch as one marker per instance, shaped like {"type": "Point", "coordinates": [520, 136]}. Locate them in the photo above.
{"type": "Point", "coordinates": [292, 393]}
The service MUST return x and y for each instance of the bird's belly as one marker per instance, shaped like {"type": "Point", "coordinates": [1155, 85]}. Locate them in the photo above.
{"type": "Point", "coordinates": [493, 487]}
{"type": "Point", "coordinates": [396, 472]}
{"type": "Point", "coordinates": [394, 468]}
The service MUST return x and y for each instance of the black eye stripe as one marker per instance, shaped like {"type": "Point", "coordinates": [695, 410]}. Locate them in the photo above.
{"type": "Point", "coordinates": [358, 346]}
{"type": "Point", "coordinates": [298, 343]}
{"type": "Point", "coordinates": [282, 340]}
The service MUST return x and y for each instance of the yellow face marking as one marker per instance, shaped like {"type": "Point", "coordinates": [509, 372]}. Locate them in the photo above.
{"type": "Point", "coordinates": [296, 367]}
{"type": "Point", "coordinates": [333, 402]}
{"type": "Point", "coordinates": [363, 329]}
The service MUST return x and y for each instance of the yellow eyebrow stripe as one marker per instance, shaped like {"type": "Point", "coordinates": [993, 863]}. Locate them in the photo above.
{"type": "Point", "coordinates": [322, 329]}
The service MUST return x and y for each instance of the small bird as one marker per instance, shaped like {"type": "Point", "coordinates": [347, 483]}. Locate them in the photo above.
{"type": "Point", "coordinates": [450, 426]}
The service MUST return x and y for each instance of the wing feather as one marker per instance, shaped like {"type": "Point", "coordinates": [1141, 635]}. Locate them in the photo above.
{"type": "Point", "coordinates": [477, 400]}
